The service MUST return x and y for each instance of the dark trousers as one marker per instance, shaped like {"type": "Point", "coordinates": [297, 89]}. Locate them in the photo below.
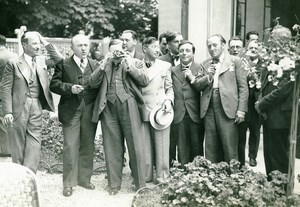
{"type": "Point", "coordinates": [173, 145]}
{"type": "Point", "coordinates": [254, 138]}
{"type": "Point", "coordinates": [78, 150]}
{"type": "Point", "coordinates": [119, 121]}
{"type": "Point", "coordinates": [276, 149]}
{"type": "Point", "coordinates": [221, 139]}
{"type": "Point", "coordinates": [190, 136]}
{"type": "Point", "coordinates": [25, 135]}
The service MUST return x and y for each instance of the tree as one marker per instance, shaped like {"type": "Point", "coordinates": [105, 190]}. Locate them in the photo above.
{"type": "Point", "coordinates": [64, 18]}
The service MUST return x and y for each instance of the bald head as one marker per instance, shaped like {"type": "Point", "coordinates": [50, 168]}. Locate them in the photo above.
{"type": "Point", "coordinates": [80, 45]}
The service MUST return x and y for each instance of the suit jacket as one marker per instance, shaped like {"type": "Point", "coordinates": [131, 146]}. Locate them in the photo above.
{"type": "Point", "coordinates": [187, 97]}
{"type": "Point", "coordinates": [101, 78]}
{"type": "Point", "coordinates": [158, 89]}
{"type": "Point", "coordinates": [276, 102]}
{"type": "Point", "coordinates": [15, 83]}
{"type": "Point", "coordinates": [168, 58]}
{"type": "Point", "coordinates": [233, 86]}
{"type": "Point", "coordinates": [64, 78]}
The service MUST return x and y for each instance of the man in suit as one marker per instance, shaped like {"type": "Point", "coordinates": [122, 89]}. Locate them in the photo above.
{"type": "Point", "coordinates": [187, 126]}
{"type": "Point", "coordinates": [117, 108]}
{"type": "Point", "coordinates": [24, 93]}
{"type": "Point", "coordinates": [163, 44]}
{"type": "Point", "coordinates": [235, 46]}
{"type": "Point", "coordinates": [130, 40]}
{"type": "Point", "coordinates": [158, 93]}
{"type": "Point", "coordinates": [275, 105]}
{"type": "Point", "coordinates": [223, 102]}
{"type": "Point", "coordinates": [75, 109]}
{"type": "Point", "coordinates": [5, 55]}
{"type": "Point", "coordinates": [252, 122]}
{"type": "Point", "coordinates": [173, 39]}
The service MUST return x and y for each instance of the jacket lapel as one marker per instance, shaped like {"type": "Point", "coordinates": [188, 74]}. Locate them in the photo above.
{"type": "Point", "coordinates": [70, 67]}
{"type": "Point", "coordinates": [41, 71]}
{"type": "Point", "coordinates": [226, 64]}
{"type": "Point", "coordinates": [24, 68]}
{"type": "Point", "coordinates": [178, 73]}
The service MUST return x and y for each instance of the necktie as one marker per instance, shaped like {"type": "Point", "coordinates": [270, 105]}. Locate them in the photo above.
{"type": "Point", "coordinates": [185, 67]}
{"type": "Point", "coordinates": [148, 64]}
{"type": "Point", "coordinates": [82, 65]}
{"type": "Point", "coordinates": [33, 69]}
{"type": "Point", "coordinates": [215, 60]}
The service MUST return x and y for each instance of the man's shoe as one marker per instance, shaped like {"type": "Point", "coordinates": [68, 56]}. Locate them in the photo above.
{"type": "Point", "coordinates": [89, 186]}
{"type": "Point", "coordinates": [113, 191]}
{"type": "Point", "coordinates": [68, 191]}
{"type": "Point", "coordinates": [252, 162]}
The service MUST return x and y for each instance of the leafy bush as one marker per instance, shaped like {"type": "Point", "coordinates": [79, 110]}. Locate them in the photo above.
{"type": "Point", "coordinates": [202, 183]}
{"type": "Point", "coordinates": [52, 143]}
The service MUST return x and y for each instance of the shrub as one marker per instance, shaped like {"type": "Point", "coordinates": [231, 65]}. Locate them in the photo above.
{"type": "Point", "coordinates": [202, 183]}
{"type": "Point", "coordinates": [52, 143]}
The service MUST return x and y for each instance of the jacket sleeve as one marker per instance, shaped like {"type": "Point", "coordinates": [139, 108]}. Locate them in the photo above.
{"type": "Point", "coordinates": [55, 56]}
{"type": "Point", "coordinates": [202, 80]}
{"type": "Point", "coordinates": [138, 73]}
{"type": "Point", "coordinates": [243, 90]}
{"type": "Point", "coordinates": [6, 88]}
{"type": "Point", "coordinates": [277, 96]}
{"type": "Point", "coordinates": [98, 75]}
{"type": "Point", "coordinates": [57, 85]}
{"type": "Point", "coordinates": [169, 86]}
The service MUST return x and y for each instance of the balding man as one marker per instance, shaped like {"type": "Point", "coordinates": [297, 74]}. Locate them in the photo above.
{"type": "Point", "coordinates": [224, 100]}
{"type": "Point", "coordinates": [24, 93]}
{"type": "Point", "coordinates": [71, 82]}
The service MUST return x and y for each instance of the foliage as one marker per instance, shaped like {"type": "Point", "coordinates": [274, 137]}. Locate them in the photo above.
{"type": "Point", "coordinates": [52, 142]}
{"type": "Point", "coordinates": [64, 18]}
{"type": "Point", "coordinates": [202, 183]}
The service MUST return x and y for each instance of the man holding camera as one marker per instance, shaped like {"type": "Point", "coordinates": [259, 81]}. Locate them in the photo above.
{"type": "Point", "coordinates": [117, 107]}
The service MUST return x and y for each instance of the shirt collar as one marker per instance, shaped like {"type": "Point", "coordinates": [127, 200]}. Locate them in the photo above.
{"type": "Point", "coordinates": [188, 65]}
{"type": "Point", "coordinates": [28, 59]}
{"type": "Point", "coordinates": [77, 60]}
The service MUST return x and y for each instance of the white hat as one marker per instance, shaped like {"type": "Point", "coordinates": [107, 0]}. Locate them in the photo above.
{"type": "Point", "coordinates": [160, 119]}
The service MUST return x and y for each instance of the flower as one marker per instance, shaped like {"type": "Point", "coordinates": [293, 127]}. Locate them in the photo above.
{"type": "Point", "coordinates": [273, 67]}
{"type": "Point", "coordinates": [287, 63]}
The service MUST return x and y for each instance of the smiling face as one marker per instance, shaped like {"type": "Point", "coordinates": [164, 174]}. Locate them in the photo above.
{"type": "Point", "coordinates": [215, 47]}
{"type": "Point", "coordinates": [186, 53]}
{"type": "Point", "coordinates": [32, 44]}
{"type": "Point", "coordinates": [80, 46]}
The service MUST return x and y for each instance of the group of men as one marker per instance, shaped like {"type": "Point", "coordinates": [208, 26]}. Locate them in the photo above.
{"type": "Point", "coordinates": [161, 103]}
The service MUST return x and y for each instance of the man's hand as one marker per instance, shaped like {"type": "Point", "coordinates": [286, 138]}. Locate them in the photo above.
{"type": "Point", "coordinates": [167, 106]}
{"type": "Point", "coordinates": [188, 74]}
{"type": "Point", "coordinates": [8, 120]}
{"type": "Point", "coordinates": [211, 71]}
{"type": "Point", "coordinates": [76, 89]}
{"type": "Point", "coordinates": [239, 117]}
{"type": "Point", "coordinates": [42, 39]}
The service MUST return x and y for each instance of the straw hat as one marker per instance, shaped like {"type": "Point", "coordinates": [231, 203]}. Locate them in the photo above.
{"type": "Point", "coordinates": [160, 119]}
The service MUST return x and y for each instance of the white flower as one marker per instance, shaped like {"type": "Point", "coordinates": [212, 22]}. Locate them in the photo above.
{"type": "Point", "coordinates": [296, 27]}
{"type": "Point", "coordinates": [273, 67]}
{"type": "Point", "coordinates": [258, 84]}
{"type": "Point", "coordinates": [270, 78]}
{"type": "Point", "coordinates": [275, 82]}
{"type": "Point", "coordinates": [251, 83]}
{"type": "Point", "coordinates": [287, 63]}
{"type": "Point", "coordinates": [279, 73]}
{"type": "Point", "coordinates": [292, 77]}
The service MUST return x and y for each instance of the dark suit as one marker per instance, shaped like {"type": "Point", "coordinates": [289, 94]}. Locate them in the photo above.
{"type": "Point", "coordinates": [251, 121]}
{"type": "Point", "coordinates": [18, 99]}
{"type": "Point", "coordinates": [276, 103]}
{"type": "Point", "coordinates": [187, 127]}
{"type": "Point", "coordinates": [75, 113]}
{"type": "Point", "coordinates": [220, 105]}
{"type": "Point", "coordinates": [117, 108]}
{"type": "Point", "coordinates": [5, 55]}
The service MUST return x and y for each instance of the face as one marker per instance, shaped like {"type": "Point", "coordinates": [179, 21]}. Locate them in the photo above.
{"type": "Point", "coordinates": [173, 44]}
{"type": "Point", "coordinates": [215, 46]}
{"type": "Point", "coordinates": [163, 45]}
{"type": "Point", "coordinates": [252, 50]}
{"type": "Point", "coordinates": [235, 47]}
{"type": "Point", "coordinates": [128, 42]}
{"type": "Point", "coordinates": [33, 45]}
{"type": "Point", "coordinates": [186, 54]}
{"type": "Point", "coordinates": [81, 46]}
{"type": "Point", "coordinates": [152, 50]}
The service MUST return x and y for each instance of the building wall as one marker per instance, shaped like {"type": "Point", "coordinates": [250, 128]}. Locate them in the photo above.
{"type": "Point", "coordinates": [255, 16]}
